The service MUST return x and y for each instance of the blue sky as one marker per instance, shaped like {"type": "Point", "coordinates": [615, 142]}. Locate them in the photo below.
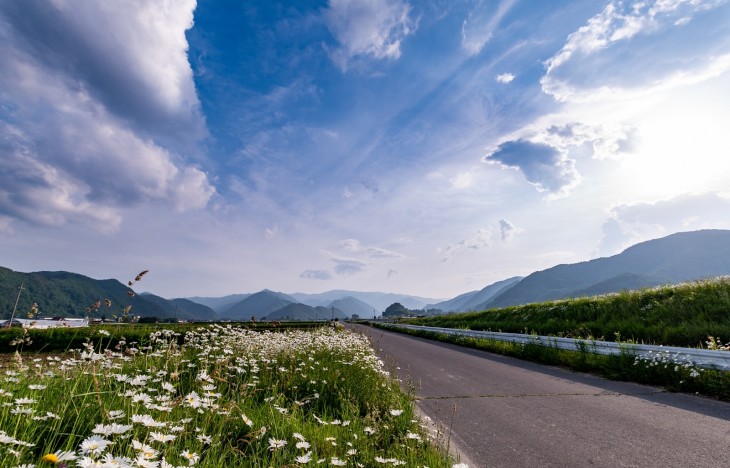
{"type": "Point", "coordinates": [420, 147]}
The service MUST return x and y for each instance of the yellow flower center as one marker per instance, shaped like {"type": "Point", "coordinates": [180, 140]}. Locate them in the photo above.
{"type": "Point", "coordinates": [50, 458]}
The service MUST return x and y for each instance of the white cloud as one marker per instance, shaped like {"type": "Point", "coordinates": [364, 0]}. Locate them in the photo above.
{"type": "Point", "coordinates": [608, 141]}
{"type": "Point", "coordinates": [547, 168]}
{"type": "Point", "coordinates": [632, 48]}
{"type": "Point", "coordinates": [348, 266]}
{"type": "Point", "coordinates": [463, 180]}
{"type": "Point", "coordinates": [505, 78]}
{"type": "Point", "coordinates": [508, 230]}
{"type": "Point", "coordinates": [98, 100]}
{"type": "Point", "coordinates": [354, 245]}
{"type": "Point", "coordinates": [367, 28]}
{"type": "Point", "coordinates": [316, 274]}
{"type": "Point", "coordinates": [480, 240]}
{"type": "Point", "coordinates": [631, 223]}
{"type": "Point", "coordinates": [480, 25]}
{"type": "Point", "coordinates": [351, 245]}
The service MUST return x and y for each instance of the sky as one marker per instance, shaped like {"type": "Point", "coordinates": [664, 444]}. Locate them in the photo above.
{"type": "Point", "coordinates": [422, 147]}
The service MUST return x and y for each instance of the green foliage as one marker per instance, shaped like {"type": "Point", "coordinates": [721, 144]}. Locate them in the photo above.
{"type": "Point", "coordinates": [63, 294]}
{"type": "Point", "coordinates": [680, 315]}
{"type": "Point", "coordinates": [663, 370]}
{"type": "Point", "coordinates": [224, 396]}
{"type": "Point", "coordinates": [396, 310]}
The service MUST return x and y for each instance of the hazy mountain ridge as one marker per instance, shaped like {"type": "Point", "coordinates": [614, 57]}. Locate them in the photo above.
{"type": "Point", "coordinates": [672, 259]}
{"type": "Point", "coordinates": [378, 300]}
{"type": "Point", "coordinates": [675, 258]}
{"type": "Point", "coordinates": [182, 309]}
{"type": "Point", "coordinates": [299, 311]}
{"type": "Point", "coordinates": [475, 300]}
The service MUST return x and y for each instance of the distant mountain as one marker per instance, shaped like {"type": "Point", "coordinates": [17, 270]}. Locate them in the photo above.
{"type": "Point", "coordinates": [180, 308]}
{"type": "Point", "coordinates": [352, 306]}
{"type": "Point", "coordinates": [299, 311]}
{"type": "Point", "coordinates": [257, 305]}
{"type": "Point", "coordinates": [672, 259]}
{"type": "Point", "coordinates": [378, 300]}
{"type": "Point", "coordinates": [474, 300]}
{"type": "Point", "coordinates": [624, 281]}
{"type": "Point", "coordinates": [219, 303]}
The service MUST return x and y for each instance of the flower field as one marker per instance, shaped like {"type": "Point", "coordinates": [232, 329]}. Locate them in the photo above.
{"type": "Point", "coordinates": [219, 396]}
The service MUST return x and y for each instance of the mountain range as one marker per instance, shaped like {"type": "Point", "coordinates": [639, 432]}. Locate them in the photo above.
{"type": "Point", "coordinates": [672, 259]}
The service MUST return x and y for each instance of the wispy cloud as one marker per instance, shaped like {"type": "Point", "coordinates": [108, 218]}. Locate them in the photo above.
{"type": "Point", "coordinates": [348, 266]}
{"type": "Point", "coordinates": [505, 78]}
{"type": "Point", "coordinates": [480, 240]}
{"type": "Point", "coordinates": [651, 44]}
{"type": "Point", "coordinates": [367, 29]}
{"type": "Point", "coordinates": [354, 245]}
{"type": "Point", "coordinates": [316, 274]}
{"type": "Point", "coordinates": [479, 27]}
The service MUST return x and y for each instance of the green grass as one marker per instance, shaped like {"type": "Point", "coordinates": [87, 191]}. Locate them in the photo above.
{"type": "Point", "coordinates": [222, 395]}
{"type": "Point", "coordinates": [681, 315]}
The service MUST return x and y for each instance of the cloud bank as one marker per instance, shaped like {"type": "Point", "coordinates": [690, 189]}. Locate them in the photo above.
{"type": "Point", "coordinates": [631, 223]}
{"type": "Point", "coordinates": [97, 104]}
{"type": "Point", "coordinates": [651, 45]}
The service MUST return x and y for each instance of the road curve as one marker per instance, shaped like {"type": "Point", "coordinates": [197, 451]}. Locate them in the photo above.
{"type": "Point", "coordinates": [501, 411]}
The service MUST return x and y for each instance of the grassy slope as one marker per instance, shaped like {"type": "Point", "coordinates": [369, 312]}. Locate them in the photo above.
{"type": "Point", "coordinates": [680, 315]}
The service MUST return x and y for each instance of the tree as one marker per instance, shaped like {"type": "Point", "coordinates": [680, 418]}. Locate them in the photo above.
{"type": "Point", "coordinates": [396, 310]}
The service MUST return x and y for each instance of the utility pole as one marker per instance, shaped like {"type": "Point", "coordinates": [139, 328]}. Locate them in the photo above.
{"type": "Point", "coordinates": [17, 298]}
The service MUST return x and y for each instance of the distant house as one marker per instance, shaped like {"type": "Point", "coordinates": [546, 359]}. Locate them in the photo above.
{"type": "Point", "coordinates": [48, 323]}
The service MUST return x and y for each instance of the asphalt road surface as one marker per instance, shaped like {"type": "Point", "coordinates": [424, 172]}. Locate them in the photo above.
{"type": "Point", "coordinates": [499, 411]}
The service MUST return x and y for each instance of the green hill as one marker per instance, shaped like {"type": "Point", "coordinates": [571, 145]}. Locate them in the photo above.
{"type": "Point", "coordinates": [64, 294]}
{"type": "Point", "coordinates": [60, 293]}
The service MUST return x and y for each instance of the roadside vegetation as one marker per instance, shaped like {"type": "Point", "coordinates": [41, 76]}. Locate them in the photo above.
{"type": "Point", "coordinates": [667, 370]}
{"type": "Point", "coordinates": [209, 396]}
{"type": "Point", "coordinates": [679, 315]}
{"type": "Point", "coordinates": [693, 314]}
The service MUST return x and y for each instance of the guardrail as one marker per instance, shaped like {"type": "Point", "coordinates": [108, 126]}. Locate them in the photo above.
{"type": "Point", "coordinates": [699, 357]}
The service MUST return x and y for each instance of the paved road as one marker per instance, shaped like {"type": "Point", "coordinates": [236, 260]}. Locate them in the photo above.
{"type": "Point", "coordinates": [501, 411]}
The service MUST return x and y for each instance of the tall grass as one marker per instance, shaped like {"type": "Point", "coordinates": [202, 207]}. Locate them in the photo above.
{"type": "Point", "coordinates": [215, 396]}
{"type": "Point", "coordinates": [680, 315]}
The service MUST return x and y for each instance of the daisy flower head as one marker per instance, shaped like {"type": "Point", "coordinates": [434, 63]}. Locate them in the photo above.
{"type": "Point", "coordinates": [160, 437]}
{"type": "Point", "coordinates": [191, 457]}
{"type": "Point", "coordinates": [275, 444]}
{"type": "Point", "coordinates": [58, 456]}
{"type": "Point", "coordinates": [95, 445]}
{"type": "Point", "coordinates": [306, 458]}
